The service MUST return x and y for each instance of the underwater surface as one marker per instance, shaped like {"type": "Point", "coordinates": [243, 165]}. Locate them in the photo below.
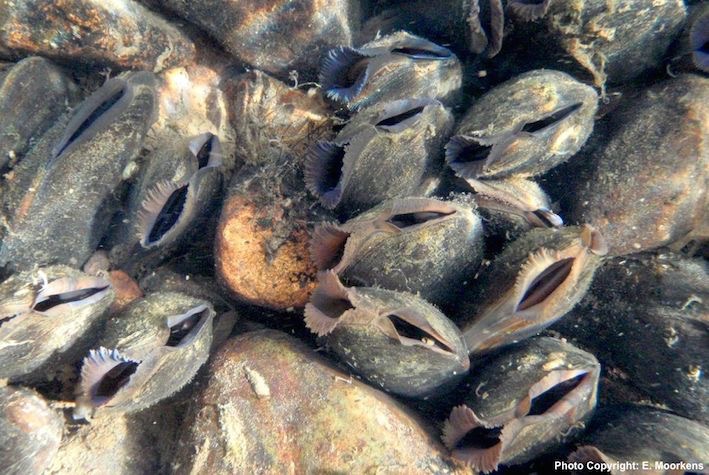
{"type": "Point", "coordinates": [354, 236]}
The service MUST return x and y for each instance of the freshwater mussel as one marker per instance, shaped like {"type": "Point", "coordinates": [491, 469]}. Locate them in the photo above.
{"type": "Point", "coordinates": [414, 199]}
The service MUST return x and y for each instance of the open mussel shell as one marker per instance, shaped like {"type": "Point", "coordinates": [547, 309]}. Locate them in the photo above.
{"type": "Point", "coordinates": [47, 317]}
{"type": "Point", "coordinates": [123, 34]}
{"type": "Point", "coordinates": [63, 213]}
{"type": "Point", "coordinates": [536, 280]}
{"type": "Point", "coordinates": [146, 354]}
{"type": "Point", "coordinates": [645, 315]}
{"type": "Point", "coordinates": [395, 66]}
{"type": "Point", "coordinates": [418, 245]}
{"type": "Point", "coordinates": [395, 340]}
{"type": "Point", "coordinates": [267, 393]}
{"type": "Point", "coordinates": [512, 206]}
{"type": "Point", "coordinates": [383, 152]}
{"type": "Point", "coordinates": [30, 431]}
{"type": "Point", "coordinates": [644, 191]}
{"type": "Point", "coordinates": [524, 126]}
{"type": "Point", "coordinates": [613, 44]}
{"type": "Point", "coordinates": [175, 189]}
{"type": "Point", "coordinates": [24, 117]}
{"type": "Point", "coordinates": [690, 52]}
{"type": "Point", "coordinates": [524, 401]}
{"type": "Point", "coordinates": [469, 25]}
{"type": "Point", "coordinates": [646, 436]}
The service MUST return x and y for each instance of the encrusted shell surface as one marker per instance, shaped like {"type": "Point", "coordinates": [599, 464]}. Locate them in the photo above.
{"type": "Point", "coordinates": [524, 126]}
{"type": "Point", "coordinates": [525, 401]}
{"type": "Point", "coordinates": [24, 117]}
{"type": "Point", "coordinates": [146, 353]}
{"type": "Point", "coordinates": [646, 186]}
{"type": "Point", "coordinates": [395, 340]}
{"type": "Point", "coordinates": [48, 317]}
{"type": "Point", "coordinates": [419, 245]}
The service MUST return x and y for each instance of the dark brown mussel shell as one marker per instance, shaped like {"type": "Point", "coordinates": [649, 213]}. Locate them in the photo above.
{"type": "Point", "coordinates": [645, 186]}
{"type": "Point", "coordinates": [393, 67]}
{"type": "Point", "coordinates": [524, 401]}
{"type": "Point", "coordinates": [645, 316]}
{"type": "Point", "coordinates": [25, 117]}
{"type": "Point", "coordinates": [524, 126]}
{"type": "Point", "coordinates": [535, 281]}
{"type": "Point", "coordinates": [175, 189]}
{"type": "Point", "coordinates": [384, 152]}
{"type": "Point", "coordinates": [48, 317]}
{"type": "Point", "coordinates": [613, 42]}
{"type": "Point", "coordinates": [122, 34]}
{"type": "Point", "coordinates": [647, 437]}
{"type": "Point", "coordinates": [147, 353]}
{"type": "Point", "coordinates": [418, 245]}
{"type": "Point", "coordinates": [276, 36]}
{"type": "Point", "coordinates": [472, 25]}
{"type": "Point", "coordinates": [269, 404]}
{"type": "Point", "coordinates": [30, 432]}
{"type": "Point", "coordinates": [395, 340]}
{"type": "Point", "coordinates": [63, 195]}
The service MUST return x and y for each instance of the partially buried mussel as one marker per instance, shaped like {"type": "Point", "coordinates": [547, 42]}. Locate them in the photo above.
{"type": "Point", "coordinates": [77, 165]}
{"type": "Point", "coordinates": [176, 187]}
{"type": "Point", "coordinates": [46, 317]}
{"type": "Point", "coordinates": [394, 339]}
{"type": "Point", "coordinates": [524, 126]}
{"type": "Point", "coordinates": [147, 353]}
{"type": "Point", "coordinates": [396, 66]}
{"type": "Point", "coordinates": [384, 152]}
{"type": "Point", "coordinates": [532, 283]}
{"type": "Point", "coordinates": [523, 402]}
{"type": "Point", "coordinates": [418, 245]}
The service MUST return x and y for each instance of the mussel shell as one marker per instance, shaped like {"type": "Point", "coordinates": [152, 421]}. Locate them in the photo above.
{"type": "Point", "coordinates": [80, 174]}
{"type": "Point", "coordinates": [46, 320]}
{"type": "Point", "coordinates": [523, 402]}
{"type": "Point", "coordinates": [30, 431]}
{"type": "Point", "coordinates": [524, 126]}
{"type": "Point", "coordinates": [395, 340]}
{"type": "Point", "coordinates": [417, 245]}
{"type": "Point", "coordinates": [155, 356]}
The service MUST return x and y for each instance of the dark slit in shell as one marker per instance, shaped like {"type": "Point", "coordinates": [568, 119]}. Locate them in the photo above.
{"type": "Point", "coordinates": [480, 438]}
{"type": "Point", "coordinates": [543, 402]}
{"type": "Point", "coordinates": [98, 112]}
{"type": "Point", "coordinates": [114, 380]}
{"type": "Point", "coordinates": [403, 221]}
{"type": "Point", "coordinates": [554, 118]}
{"type": "Point", "coordinates": [545, 283]}
{"type": "Point", "coordinates": [412, 332]}
{"type": "Point", "coordinates": [66, 297]}
{"type": "Point", "coordinates": [399, 118]}
{"type": "Point", "coordinates": [169, 215]}
{"type": "Point", "coordinates": [421, 53]}
{"type": "Point", "coordinates": [180, 331]}
{"type": "Point", "coordinates": [205, 151]}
